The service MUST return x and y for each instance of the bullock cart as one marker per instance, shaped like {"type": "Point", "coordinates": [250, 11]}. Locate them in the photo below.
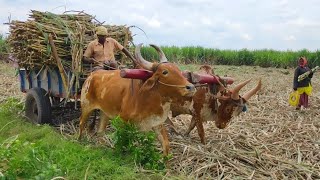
{"type": "Point", "coordinates": [52, 90]}
{"type": "Point", "coordinates": [52, 80]}
{"type": "Point", "coordinates": [50, 83]}
{"type": "Point", "coordinates": [46, 92]}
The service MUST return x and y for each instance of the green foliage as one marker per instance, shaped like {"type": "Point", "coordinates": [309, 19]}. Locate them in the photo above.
{"type": "Point", "coordinates": [12, 105]}
{"type": "Point", "coordinates": [26, 159]}
{"type": "Point", "coordinates": [4, 47]}
{"type": "Point", "coordinates": [263, 58]}
{"type": "Point", "coordinates": [29, 151]}
{"type": "Point", "coordinates": [141, 145]}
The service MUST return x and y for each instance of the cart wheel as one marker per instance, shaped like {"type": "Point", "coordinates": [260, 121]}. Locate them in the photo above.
{"type": "Point", "coordinates": [38, 106]}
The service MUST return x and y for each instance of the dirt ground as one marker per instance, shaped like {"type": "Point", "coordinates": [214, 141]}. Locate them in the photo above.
{"type": "Point", "coordinates": [9, 82]}
{"type": "Point", "coordinates": [271, 140]}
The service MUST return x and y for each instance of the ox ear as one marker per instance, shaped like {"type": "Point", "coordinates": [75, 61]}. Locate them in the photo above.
{"type": "Point", "coordinates": [149, 84]}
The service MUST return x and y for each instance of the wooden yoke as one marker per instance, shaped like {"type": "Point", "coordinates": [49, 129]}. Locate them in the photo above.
{"type": "Point", "coordinates": [59, 64]}
{"type": "Point", "coordinates": [136, 74]}
{"type": "Point", "coordinates": [191, 76]}
{"type": "Point", "coordinates": [206, 79]}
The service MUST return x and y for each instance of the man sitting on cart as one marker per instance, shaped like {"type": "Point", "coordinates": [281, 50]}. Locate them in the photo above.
{"type": "Point", "coordinates": [101, 51]}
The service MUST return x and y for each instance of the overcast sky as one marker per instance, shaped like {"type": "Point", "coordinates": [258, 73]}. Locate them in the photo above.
{"type": "Point", "coordinates": [223, 24]}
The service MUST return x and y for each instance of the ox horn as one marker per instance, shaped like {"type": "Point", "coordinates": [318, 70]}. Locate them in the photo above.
{"type": "Point", "coordinates": [236, 89]}
{"type": "Point", "coordinates": [161, 54]}
{"type": "Point", "coordinates": [141, 61]}
{"type": "Point", "coordinates": [253, 91]}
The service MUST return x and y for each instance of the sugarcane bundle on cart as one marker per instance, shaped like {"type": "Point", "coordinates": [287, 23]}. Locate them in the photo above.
{"type": "Point", "coordinates": [48, 41]}
{"type": "Point", "coordinates": [71, 32]}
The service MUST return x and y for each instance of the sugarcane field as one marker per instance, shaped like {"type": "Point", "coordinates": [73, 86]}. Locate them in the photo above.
{"type": "Point", "coordinates": [88, 94]}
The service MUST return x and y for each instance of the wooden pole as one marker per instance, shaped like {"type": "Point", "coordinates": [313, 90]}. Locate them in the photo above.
{"type": "Point", "coordinates": [60, 66]}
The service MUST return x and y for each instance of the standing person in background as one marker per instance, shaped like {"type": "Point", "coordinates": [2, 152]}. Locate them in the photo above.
{"type": "Point", "coordinates": [303, 87]}
{"type": "Point", "coordinates": [101, 51]}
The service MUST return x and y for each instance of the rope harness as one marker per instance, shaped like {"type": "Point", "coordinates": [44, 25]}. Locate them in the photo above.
{"type": "Point", "coordinates": [171, 85]}
{"type": "Point", "coordinates": [238, 102]}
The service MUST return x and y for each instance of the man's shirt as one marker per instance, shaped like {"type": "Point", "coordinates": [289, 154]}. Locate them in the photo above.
{"type": "Point", "coordinates": [102, 53]}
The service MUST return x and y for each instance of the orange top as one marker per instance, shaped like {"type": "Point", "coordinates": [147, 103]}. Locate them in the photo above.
{"type": "Point", "coordinates": [103, 53]}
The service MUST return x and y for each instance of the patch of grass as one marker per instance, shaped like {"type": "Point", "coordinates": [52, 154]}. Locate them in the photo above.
{"type": "Point", "coordinates": [4, 47]}
{"type": "Point", "coordinates": [29, 151]}
{"type": "Point", "coordinates": [11, 106]}
{"type": "Point", "coordinates": [141, 145]}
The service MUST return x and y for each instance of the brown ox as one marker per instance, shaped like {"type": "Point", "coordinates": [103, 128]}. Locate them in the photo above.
{"type": "Point", "coordinates": [212, 103]}
{"type": "Point", "coordinates": [143, 103]}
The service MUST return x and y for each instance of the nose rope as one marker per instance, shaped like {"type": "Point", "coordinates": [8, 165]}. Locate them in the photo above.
{"type": "Point", "coordinates": [239, 102]}
{"type": "Point", "coordinates": [171, 85]}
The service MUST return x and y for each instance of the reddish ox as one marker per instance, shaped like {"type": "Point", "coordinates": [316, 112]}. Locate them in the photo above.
{"type": "Point", "coordinates": [144, 103]}
{"type": "Point", "coordinates": [212, 103]}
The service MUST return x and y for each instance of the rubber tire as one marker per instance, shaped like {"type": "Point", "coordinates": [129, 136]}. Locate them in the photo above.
{"type": "Point", "coordinates": [38, 106]}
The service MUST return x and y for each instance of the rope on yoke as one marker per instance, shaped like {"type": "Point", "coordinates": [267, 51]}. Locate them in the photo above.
{"type": "Point", "coordinates": [109, 67]}
{"type": "Point", "coordinates": [238, 102]}
{"type": "Point", "coordinates": [171, 85]}
{"type": "Point", "coordinates": [200, 85]}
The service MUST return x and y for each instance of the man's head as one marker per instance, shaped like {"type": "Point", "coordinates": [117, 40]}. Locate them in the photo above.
{"type": "Point", "coordinates": [101, 33]}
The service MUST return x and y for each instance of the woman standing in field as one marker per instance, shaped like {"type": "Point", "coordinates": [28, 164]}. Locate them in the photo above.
{"type": "Point", "coordinates": [303, 87]}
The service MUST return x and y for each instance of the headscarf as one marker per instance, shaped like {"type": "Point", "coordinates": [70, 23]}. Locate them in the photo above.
{"type": "Point", "coordinates": [303, 62]}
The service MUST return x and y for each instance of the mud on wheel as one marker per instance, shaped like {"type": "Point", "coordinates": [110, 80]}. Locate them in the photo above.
{"type": "Point", "coordinates": [38, 106]}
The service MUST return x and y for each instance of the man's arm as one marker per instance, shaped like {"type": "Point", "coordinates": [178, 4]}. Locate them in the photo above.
{"type": "Point", "coordinates": [127, 53]}
{"type": "Point", "coordinates": [88, 54]}
{"type": "Point", "coordinates": [124, 50]}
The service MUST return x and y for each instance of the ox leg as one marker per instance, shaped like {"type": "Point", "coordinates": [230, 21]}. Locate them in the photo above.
{"type": "Point", "coordinates": [191, 126]}
{"type": "Point", "coordinates": [172, 129]}
{"type": "Point", "coordinates": [93, 123]}
{"type": "Point", "coordinates": [104, 122]}
{"type": "Point", "coordinates": [163, 138]}
{"type": "Point", "coordinates": [201, 131]}
{"type": "Point", "coordinates": [83, 120]}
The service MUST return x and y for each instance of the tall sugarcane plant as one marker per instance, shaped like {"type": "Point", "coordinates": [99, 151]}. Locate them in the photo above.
{"type": "Point", "coordinates": [262, 57]}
